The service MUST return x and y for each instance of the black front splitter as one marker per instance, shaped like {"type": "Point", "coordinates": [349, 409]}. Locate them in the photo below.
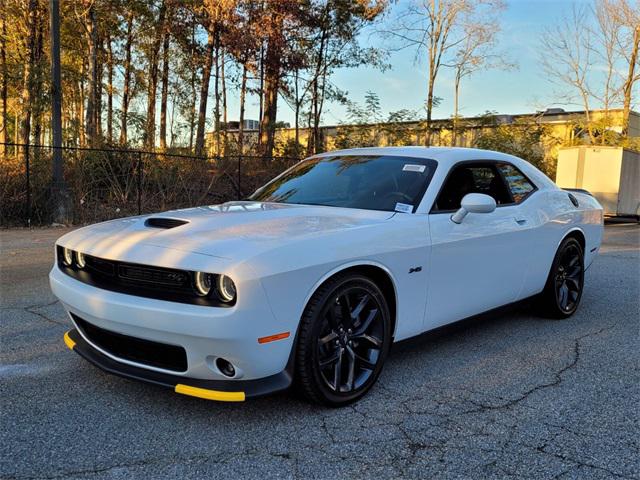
{"type": "Point", "coordinates": [221, 390]}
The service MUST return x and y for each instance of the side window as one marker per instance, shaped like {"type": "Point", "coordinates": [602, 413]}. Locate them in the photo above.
{"type": "Point", "coordinates": [519, 185]}
{"type": "Point", "coordinates": [472, 178]}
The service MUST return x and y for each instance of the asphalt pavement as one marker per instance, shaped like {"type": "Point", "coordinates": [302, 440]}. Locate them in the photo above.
{"type": "Point", "coordinates": [507, 396]}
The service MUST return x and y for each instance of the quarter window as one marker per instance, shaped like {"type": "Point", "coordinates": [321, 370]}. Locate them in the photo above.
{"type": "Point", "coordinates": [518, 184]}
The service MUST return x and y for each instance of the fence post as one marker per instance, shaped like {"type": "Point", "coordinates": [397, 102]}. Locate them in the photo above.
{"type": "Point", "coordinates": [239, 178]}
{"type": "Point", "coordinates": [28, 179]}
{"type": "Point", "coordinates": [139, 183]}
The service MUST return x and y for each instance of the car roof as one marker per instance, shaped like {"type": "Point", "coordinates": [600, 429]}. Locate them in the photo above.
{"type": "Point", "coordinates": [441, 154]}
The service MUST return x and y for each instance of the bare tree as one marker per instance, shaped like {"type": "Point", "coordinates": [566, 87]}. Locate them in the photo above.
{"type": "Point", "coordinates": [608, 33]}
{"type": "Point", "coordinates": [152, 86]}
{"type": "Point", "coordinates": [126, 94]}
{"type": "Point", "coordinates": [433, 27]}
{"type": "Point", "coordinates": [4, 85]}
{"type": "Point", "coordinates": [586, 54]}
{"type": "Point", "coordinates": [478, 51]}
{"type": "Point", "coordinates": [165, 81]}
{"type": "Point", "coordinates": [567, 59]}
{"type": "Point", "coordinates": [90, 24]}
{"type": "Point", "coordinates": [627, 17]}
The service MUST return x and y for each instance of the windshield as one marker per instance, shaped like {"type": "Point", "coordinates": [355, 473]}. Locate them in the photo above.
{"type": "Point", "coordinates": [372, 182]}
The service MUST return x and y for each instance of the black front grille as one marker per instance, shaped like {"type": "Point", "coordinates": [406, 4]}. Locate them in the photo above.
{"type": "Point", "coordinates": [140, 280]}
{"type": "Point", "coordinates": [146, 352]}
{"type": "Point", "coordinates": [153, 275]}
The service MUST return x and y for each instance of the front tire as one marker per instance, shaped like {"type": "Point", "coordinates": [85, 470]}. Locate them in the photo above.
{"type": "Point", "coordinates": [563, 290]}
{"type": "Point", "coordinates": [344, 339]}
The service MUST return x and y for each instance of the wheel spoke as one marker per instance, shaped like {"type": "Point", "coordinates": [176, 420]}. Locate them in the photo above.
{"type": "Point", "coordinates": [365, 325]}
{"type": "Point", "coordinates": [574, 272]}
{"type": "Point", "coordinates": [375, 341]}
{"type": "Point", "coordinates": [355, 313]}
{"type": "Point", "coordinates": [345, 310]}
{"type": "Point", "coordinates": [331, 359]}
{"type": "Point", "coordinates": [564, 296]}
{"type": "Point", "coordinates": [351, 368]}
{"type": "Point", "coordinates": [328, 338]}
{"type": "Point", "coordinates": [575, 286]}
{"type": "Point", "coordinates": [337, 371]}
{"type": "Point", "coordinates": [365, 363]}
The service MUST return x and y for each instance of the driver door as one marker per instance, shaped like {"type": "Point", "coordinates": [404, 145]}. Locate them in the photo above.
{"type": "Point", "coordinates": [476, 265]}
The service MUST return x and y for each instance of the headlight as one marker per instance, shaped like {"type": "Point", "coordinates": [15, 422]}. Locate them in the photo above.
{"type": "Point", "coordinates": [226, 288]}
{"type": "Point", "coordinates": [80, 260]}
{"type": "Point", "coordinates": [67, 256]}
{"type": "Point", "coordinates": [203, 283]}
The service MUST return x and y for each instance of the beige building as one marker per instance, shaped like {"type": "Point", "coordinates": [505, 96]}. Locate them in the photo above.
{"type": "Point", "coordinates": [558, 128]}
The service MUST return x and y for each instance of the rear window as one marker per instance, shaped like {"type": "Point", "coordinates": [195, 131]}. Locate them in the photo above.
{"type": "Point", "coordinates": [372, 182]}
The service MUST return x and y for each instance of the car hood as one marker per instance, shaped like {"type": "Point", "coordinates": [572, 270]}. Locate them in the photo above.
{"type": "Point", "coordinates": [233, 230]}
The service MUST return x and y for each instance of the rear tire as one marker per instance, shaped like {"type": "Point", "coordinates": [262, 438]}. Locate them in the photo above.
{"type": "Point", "coordinates": [344, 339]}
{"type": "Point", "coordinates": [563, 290]}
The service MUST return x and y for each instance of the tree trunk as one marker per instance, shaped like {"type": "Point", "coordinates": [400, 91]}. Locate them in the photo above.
{"type": "Point", "coordinates": [192, 116]}
{"type": "Point", "coordinates": [152, 86]}
{"type": "Point", "coordinates": [243, 93]}
{"type": "Point", "coordinates": [216, 93]}
{"type": "Point", "coordinates": [297, 113]}
{"type": "Point", "coordinates": [4, 121]}
{"type": "Point", "coordinates": [36, 86]}
{"type": "Point", "coordinates": [272, 72]}
{"type": "Point", "coordinates": [126, 80]}
{"type": "Point", "coordinates": [429, 110]}
{"type": "Point", "coordinates": [165, 90]}
{"type": "Point", "coordinates": [29, 70]}
{"type": "Point", "coordinates": [109, 90]}
{"type": "Point", "coordinates": [261, 94]}
{"type": "Point", "coordinates": [204, 94]}
{"type": "Point", "coordinates": [98, 98]}
{"type": "Point", "coordinates": [628, 84]}
{"type": "Point", "coordinates": [456, 96]}
{"type": "Point", "coordinates": [224, 108]}
{"type": "Point", "coordinates": [92, 39]}
{"type": "Point", "coordinates": [80, 113]}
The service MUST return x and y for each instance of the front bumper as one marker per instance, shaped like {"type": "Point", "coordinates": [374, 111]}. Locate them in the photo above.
{"type": "Point", "coordinates": [205, 333]}
{"type": "Point", "coordinates": [220, 390]}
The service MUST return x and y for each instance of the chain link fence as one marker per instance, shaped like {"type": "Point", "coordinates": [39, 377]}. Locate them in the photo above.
{"type": "Point", "coordinates": [102, 184]}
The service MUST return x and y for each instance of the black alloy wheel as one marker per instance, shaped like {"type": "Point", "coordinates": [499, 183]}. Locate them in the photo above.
{"type": "Point", "coordinates": [563, 290]}
{"type": "Point", "coordinates": [345, 336]}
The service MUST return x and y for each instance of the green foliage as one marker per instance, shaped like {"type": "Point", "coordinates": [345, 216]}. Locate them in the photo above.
{"type": "Point", "coordinates": [523, 138]}
{"type": "Point", "coordinates": [368, 127]}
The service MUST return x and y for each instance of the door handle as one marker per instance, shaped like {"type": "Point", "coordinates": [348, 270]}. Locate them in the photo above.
{"type": "Point", "coordinates": [521, 221]}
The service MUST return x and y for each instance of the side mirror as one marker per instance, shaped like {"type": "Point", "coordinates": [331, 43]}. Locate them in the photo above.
{"type": "Point", "coordinates": [474, 203]}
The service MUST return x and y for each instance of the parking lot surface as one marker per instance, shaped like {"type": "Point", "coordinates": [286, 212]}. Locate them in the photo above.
{"type": "Point", "coordinates": [508, 396]}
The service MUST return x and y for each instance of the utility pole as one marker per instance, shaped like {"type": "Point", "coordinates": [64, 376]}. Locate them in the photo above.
{"type": "Point", "coordinates": [58, 188]}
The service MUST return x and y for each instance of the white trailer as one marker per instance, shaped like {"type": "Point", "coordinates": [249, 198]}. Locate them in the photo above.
{"type": "Point", "coordinates": [611, 174]}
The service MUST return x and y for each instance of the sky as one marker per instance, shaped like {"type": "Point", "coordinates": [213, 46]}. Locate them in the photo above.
{"type": "Point", "coordinates": [404, 86]}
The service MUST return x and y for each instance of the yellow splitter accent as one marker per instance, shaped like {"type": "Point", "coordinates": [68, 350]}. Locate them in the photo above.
{"type": "Point", "coordinates": [67, 340]}
{"type": "Point", "coordinates": [210, 394]}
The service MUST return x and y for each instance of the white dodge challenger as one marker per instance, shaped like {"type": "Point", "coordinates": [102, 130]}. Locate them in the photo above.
{"type": "Point", "coordinates": [312, 278]}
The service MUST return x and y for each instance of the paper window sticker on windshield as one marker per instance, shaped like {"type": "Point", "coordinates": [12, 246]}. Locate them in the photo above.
{"type": "Point", "coordinates": [408, 167]}
{"type": "Point", "coordinates": [404, 208]}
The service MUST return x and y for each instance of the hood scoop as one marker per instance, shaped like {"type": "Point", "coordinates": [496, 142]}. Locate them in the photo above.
{"type": "Point", "coordinates": [159, 222]}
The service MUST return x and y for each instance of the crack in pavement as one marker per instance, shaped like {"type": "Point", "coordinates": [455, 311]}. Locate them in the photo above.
{"type": "Point", "coordinates": [557, 380]}
{"type": "Point", "coordinates": [32, 309]}
{"type": "Point", "coordinates": [166, 461]}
